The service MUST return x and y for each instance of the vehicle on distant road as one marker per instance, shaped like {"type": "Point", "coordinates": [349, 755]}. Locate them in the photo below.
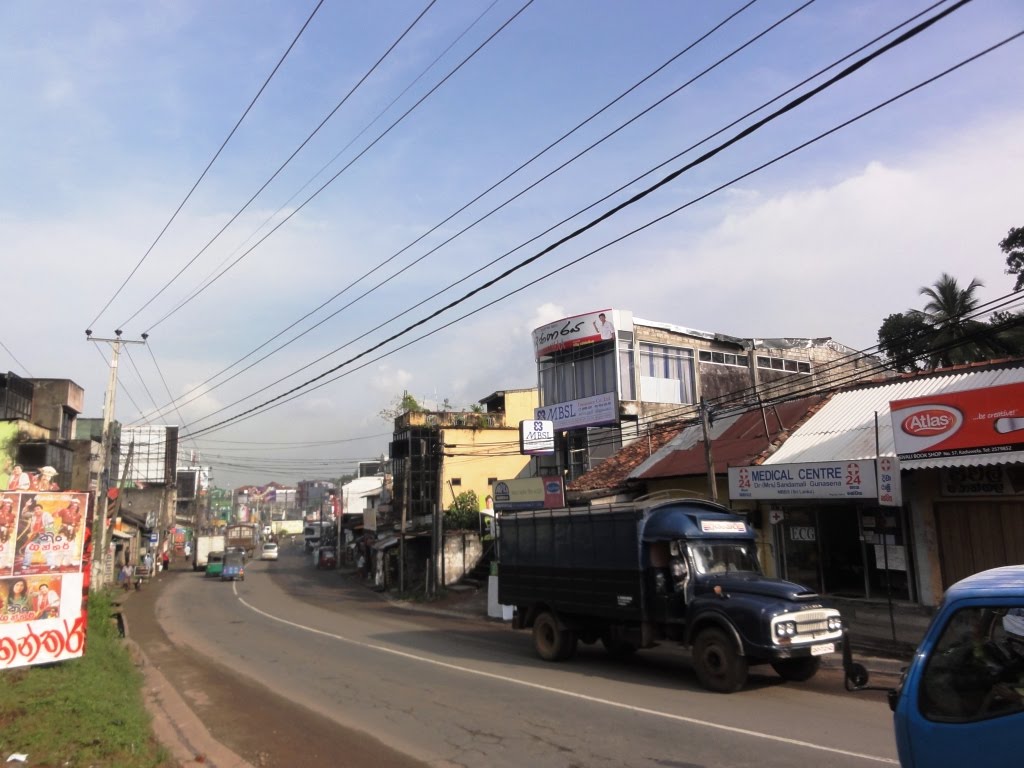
{"type": "Point", "coordinates": [214, 563]}
{"type": "Point", "coordinates": [206, 544]}
{"type": "Point", "coordinates": [233, 567]}
{"type": "Point", "coordinates": [268, 551]}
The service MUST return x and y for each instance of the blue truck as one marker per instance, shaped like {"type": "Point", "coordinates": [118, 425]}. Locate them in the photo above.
{"type": "Point", "coordinates": [961, 700]}
{"type": "Point", "coordinates": [635, 575]}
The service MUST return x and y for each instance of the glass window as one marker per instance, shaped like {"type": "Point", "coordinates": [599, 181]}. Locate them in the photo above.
{"type": "Point", "coordinates": [666, 374]}
{"type": "Point", "coordinates": [976, 670]}
{"type": "Point", "coordinates": [627, 372]}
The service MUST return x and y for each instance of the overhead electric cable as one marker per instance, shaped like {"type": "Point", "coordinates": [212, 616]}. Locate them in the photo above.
{"type": "Point", "coordinates": [494, 210]}
{"type": "Point", "coordinates": [280, 168]}
{"type": "Point", "coordinates": [348, 165]}
{"type": "Point", "coordinates": [480, 269]}
{"type": "Point", "coordinates": [644, 193]}
{"type": "Point", "coordinates": [181, 205]}
{"type": "Point", "coordinates": [16, 360]}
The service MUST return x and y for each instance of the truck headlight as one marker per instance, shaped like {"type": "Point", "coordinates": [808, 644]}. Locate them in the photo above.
{"type": "Point", "coordinates": [785, 629]}
{"type": "Point", "coordinates": [835, 623]}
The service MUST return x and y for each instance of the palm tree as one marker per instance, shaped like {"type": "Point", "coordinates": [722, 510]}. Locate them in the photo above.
{"type": "Point", "coordinates": [957, 337]}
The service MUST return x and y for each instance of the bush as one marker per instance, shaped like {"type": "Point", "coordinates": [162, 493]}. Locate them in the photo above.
{"type": "Point", "coordinates": [464, 513]}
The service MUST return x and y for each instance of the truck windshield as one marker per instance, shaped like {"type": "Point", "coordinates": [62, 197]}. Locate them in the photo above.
{"type": "Point", "coordinates": [723, 556]}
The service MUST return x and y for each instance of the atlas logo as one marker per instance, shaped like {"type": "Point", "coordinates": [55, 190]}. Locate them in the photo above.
{"type": "Point", "coordinates": [930, 422]}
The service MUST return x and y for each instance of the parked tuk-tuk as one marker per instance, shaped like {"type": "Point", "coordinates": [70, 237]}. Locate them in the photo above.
{"type": "Point", "coordinates": [326, 558]}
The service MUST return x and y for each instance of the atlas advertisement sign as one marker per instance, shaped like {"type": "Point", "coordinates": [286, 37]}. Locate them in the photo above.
{"type": "Point", "coordinates": [529, 493]}
{"type": "Point", "coordinates": [966, 423]}
{"type": "Point", "coordinates": [811, 480]}
{"type": "Point", "coordinates": [575, 331]}
{"type": "Point", "coordinates": [42, 577]}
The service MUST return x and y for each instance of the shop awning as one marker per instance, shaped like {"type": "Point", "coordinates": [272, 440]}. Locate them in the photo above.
{"type": "Point", "coordinates": [844, 428]}
{"type": "Point", "coordinates": [120, 535]}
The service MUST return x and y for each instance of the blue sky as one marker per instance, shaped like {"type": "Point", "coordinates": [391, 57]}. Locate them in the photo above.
{"type": "Point", "coordinates": [112, 110]}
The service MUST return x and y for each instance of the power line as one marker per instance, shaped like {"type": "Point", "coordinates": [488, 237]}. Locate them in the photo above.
{"type": "Point", "coordinates": [208, 165]}
{"type": "Point", "coordinates": [331, 180]}
{"type": "Point", "coordinates": [493, 186]}
{"type": "Point", "coordinates": [852, 68]}
{"type": "Point", "coordinates": [280, 168]}
{"type": "Point", "coordinates": [622, 187]}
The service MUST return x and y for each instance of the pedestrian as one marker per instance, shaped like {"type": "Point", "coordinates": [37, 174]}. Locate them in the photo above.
{"type": "Point", "coordinates": [165, 560]}
{"type": "Point", "coordinates": [125, 577]}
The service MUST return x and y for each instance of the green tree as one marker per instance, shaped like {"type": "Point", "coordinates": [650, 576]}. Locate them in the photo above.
{"type": "Point", "coordinates": [464, 513]}
{"type": "Point", "coordinates": [404, 403]}
{"type": "Point", "coordinates": [1013, 246]}
{"type": "Point", "coordinates": [956, 337]}
{"type": "Point", "coordinates": [903, 339]}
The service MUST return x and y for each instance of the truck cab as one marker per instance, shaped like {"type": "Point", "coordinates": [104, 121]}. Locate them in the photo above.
{"type": "Point", "coordinates": [962, 698]}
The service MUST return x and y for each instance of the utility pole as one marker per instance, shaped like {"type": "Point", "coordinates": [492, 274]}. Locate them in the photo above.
{"type": "Point", "coordinates": [704, 422]}
{"type": "Point", "coordinates": [99, 522]}
{"type": "Point", "coordinates": [405, 506]}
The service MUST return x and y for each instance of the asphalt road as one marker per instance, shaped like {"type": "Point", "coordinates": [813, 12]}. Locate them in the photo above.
{"type": "Point", "coordinates": [299, 667]}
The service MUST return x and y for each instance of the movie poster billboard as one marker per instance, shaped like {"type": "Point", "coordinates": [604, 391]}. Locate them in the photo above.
{"type": "Point", "coordinates": [42, 578]}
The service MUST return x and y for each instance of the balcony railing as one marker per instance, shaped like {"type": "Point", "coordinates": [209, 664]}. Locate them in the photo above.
{"type": "Point", "coordinates": [450, 419]}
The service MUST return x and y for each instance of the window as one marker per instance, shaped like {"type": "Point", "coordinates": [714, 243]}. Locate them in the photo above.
{"type": "Point", "coordinates": [456, 481]}
{"type": "Point", "coordinates": [976, 670]}
{"type": "Point", "coordinates": [723, 358]}
{"type": "Point", "coordinates": [783, 364]}
{"type": "Point", "coordinates": [666, 374]}
{"type": "Point", "coordinates": [578, 374]}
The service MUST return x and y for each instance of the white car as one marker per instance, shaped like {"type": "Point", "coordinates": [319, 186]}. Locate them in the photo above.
{"type": "Point", "coordinates": [268, 551]}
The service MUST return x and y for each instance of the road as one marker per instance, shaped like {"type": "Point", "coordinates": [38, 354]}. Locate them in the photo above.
{"type": "Point", "coordinates": [294, 666]}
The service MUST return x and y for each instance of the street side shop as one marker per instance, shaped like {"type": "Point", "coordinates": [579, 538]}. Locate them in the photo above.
{"type": "Point", "coordinates": [898, 489]}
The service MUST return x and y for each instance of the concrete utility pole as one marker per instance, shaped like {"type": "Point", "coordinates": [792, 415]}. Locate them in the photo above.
{"type": "Point", "coordinates": [99, 522]}
{"type": "Point", "coordinates": [706, 426]}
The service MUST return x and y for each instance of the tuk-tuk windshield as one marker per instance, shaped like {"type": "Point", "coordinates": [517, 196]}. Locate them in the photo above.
{"type": "Point", "coordinates": [215, 557]}
{"type": "Point", "coordinates": [724, 556]}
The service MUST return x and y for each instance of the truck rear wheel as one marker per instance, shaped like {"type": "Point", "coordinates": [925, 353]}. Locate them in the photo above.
{"type": "Point", "coordinates": [551, 642]}
{"type": "Point", "coordinates": [797, 670]}
{"type": "Point", "coordinates": [718, 665]}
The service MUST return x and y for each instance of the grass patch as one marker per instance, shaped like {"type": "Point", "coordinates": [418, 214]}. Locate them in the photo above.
{"type": "Point", "coordinates": [81, 712]}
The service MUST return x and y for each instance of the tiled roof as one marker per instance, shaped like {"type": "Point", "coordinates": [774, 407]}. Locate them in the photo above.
{"type": "Point", "coordinates": [613, 471]}
{"type": "Point", "coordinates": [738, 440]}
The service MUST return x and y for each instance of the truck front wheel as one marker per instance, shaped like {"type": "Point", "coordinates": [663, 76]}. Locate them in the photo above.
{"type": "Point", "coordinates": [797, 670]}
{"type": "Point", "coordinates": [552, 643]}
{"type": "Point", "coordinates": [718, 665]}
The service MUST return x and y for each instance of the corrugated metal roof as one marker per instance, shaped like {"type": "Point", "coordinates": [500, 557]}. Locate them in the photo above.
{"type": "Point", "coordinates": [844, 428]}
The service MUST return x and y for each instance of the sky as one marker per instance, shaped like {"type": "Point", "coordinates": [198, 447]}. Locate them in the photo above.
{"type": "Point", "coordinates": [453, 146]}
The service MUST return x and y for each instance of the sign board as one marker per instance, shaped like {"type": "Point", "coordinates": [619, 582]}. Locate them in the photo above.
{"type": "Point", "coordinates": [575, 331]}
{"type": "Point", "coordinates": [529, 493]}
{"type": "Point", "coordinates": [950, 424]}
{"type": "Point", "coordinates": [813, 480]}
{"type": "Point", "coordinates": [42, 577]}
{"type": "Point", "coordinates": [586, 412]}
{"type": "Point", "coordinates": [994, 480]}
{"type": "Point", "coordinates": [890, 488]}
{"type": "Point", "coordinates": [536, 437]}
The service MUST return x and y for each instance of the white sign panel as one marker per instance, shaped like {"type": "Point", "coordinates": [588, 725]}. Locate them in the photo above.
{"type": "Point", "coordinates": [536, 437]}
{"type": "Point", "coordinates": [890, 489]}
{"type": "Point", "coordinates": [813, 480]}
{"type": "Point", "coordinates": [588, 412]}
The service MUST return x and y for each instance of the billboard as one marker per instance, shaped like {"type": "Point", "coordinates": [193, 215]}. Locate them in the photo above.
{"type": "Point", "coordinates": [529, 493]}
{"type": "Point", "coordinates": [811, 480]}
{"type": "Point", "coordinates": [964, 423]}
{"type": "Point", "coordinates": [577, 330]}
{"type": "Point", "coordinates": [42, 578]}
{"type": "Point", "coordinates": [585, 412]}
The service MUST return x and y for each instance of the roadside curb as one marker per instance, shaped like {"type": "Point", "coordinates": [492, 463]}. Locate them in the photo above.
{"type": "Point", "coordinates": [174, 723]}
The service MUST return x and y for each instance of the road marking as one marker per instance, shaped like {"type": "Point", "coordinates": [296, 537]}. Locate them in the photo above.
{"type": "Point", "coordinates": [569, 694]}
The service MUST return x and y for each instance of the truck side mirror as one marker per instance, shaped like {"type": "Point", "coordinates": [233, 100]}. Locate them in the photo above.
{"type": "Point", "coordinates": [893, 696]}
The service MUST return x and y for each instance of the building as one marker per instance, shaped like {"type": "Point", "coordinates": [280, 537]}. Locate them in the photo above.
{"type": "Point", "coordinates": [607, 379]}
{"type": "Point", "coordinates": [37, 426]}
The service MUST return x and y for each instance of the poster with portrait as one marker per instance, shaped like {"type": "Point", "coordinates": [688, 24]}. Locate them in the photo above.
{"type": "Point", "coordinates": [42, 579]}
{"type": "Point", "coordinates": [8, 527]}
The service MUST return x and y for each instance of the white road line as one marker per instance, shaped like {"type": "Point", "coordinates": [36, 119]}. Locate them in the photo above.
{"type": "Point", "coordinates": [569, 694]}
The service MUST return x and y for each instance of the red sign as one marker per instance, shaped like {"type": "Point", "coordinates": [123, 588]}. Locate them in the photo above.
{"type": "Point", "coordinates": [970, 422]}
